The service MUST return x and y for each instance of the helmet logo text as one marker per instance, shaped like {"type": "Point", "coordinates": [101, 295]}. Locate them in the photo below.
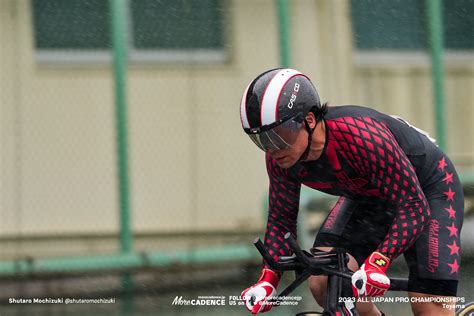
{"type": "Point", "coordinates": [294, 95]}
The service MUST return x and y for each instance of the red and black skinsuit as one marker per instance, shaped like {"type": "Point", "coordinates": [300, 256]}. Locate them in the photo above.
{"type": "Point", "coordinates": [399, 193]}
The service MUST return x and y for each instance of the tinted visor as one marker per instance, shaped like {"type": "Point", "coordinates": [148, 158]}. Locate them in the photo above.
{"type": "Point", "coordinates": [279, 137]}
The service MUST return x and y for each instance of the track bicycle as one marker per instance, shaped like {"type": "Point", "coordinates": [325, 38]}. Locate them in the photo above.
{"type": "Point", "coordinates": [331, 263]}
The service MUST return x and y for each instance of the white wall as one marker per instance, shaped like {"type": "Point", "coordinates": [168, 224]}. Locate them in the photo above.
{"type": "Point", "coordinates": [191, 167]}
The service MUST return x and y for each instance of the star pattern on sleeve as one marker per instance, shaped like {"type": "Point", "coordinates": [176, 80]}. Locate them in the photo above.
{"type": "Point", "coordinates": [442, 164]}
{"type": "Point", "coordinates": [454, 248]}
{"type": "Point", "coordinates": [453, 231]}
{"type": "Point", "coordinates": [444, 167]}
{"type": "Point", "coordinates": [449, 178]}
{"type": "Point", "coordinates": [451, 211]}
{"type": "Point", "coordinates": [454, 266]}
{"type": "Point", "coordinates": [449, 195]}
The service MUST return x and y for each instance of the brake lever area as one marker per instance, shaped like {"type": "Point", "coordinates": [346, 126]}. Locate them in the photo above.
{"type": "Point", "coordinates": [316, 262]}
{"type": "Point", "coordinates": [305, 263]}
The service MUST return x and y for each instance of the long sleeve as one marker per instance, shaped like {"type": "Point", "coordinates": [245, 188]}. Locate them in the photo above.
{"type": "Point", "coordinates": [284, 195]}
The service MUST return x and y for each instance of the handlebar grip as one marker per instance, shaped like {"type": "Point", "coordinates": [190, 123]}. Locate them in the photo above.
{"type": "Point", "coordinates": [398, 284]}
{"type": "Point", "coordinates": [279, 266]}
{"type": "Point", "coordinates": [266, 256]}
{"type": "Point", "coordinates": [296, 248]}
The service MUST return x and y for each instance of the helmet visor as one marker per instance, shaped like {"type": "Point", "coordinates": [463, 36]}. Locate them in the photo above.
{"type": "Point", "coordinates": [279, 137]}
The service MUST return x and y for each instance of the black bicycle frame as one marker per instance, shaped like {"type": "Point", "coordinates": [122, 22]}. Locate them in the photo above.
{"type": "Point", "coordinates": [331, 263]}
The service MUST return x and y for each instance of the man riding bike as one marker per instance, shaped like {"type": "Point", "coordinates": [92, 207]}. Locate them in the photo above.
{"type": "Point", "coordinates": [399, 193]}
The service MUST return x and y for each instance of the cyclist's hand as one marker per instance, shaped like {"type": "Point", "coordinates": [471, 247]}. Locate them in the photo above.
{"type": "Point", "coordinates": [370, 279]}
{"type": "Point", "coordinates": [257, 295]}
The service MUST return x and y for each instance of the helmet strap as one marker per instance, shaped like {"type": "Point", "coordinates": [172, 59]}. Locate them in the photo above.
{"type": "Point", "coordinates": [310, 140]}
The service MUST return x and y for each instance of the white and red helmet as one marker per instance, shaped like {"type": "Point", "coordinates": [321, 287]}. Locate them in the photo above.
{"type": "Point", "coordinates": [274, 105]}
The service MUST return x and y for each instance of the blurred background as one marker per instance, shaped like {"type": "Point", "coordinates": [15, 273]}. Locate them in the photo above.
{"type": "Point", "coordinates": [124, 169]}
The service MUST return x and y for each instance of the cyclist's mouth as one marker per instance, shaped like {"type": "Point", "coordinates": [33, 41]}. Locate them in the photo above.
{"type": "Point", "coordinates": [281, 159]}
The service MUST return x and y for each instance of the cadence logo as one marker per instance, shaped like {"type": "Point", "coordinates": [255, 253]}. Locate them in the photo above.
{"type": "Point", "coordinates": [201, 301]}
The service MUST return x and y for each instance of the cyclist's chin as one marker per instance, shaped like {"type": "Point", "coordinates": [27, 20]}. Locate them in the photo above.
{"type": "Point", "coordinates": [286, 163]}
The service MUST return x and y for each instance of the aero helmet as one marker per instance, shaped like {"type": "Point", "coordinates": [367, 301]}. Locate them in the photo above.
{"type": "Point", "coordinates": [274, 106]}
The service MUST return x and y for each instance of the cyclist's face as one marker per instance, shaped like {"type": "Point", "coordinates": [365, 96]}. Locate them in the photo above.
{"type": "Point", "coordinates": [286, 158]}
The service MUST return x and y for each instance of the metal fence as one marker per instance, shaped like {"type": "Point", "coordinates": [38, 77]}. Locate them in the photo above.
{"type": "Point", "coordinates": [120, 135]}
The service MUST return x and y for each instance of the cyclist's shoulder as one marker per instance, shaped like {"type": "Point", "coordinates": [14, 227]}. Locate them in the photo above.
{"type": "Point", "coordinates": [348, 111]}
{"type": "Point", "coordinates": [355, 119]}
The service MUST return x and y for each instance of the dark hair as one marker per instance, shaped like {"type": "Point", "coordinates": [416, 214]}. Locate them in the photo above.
{"type": "Point", "coordinates": [319, 111]}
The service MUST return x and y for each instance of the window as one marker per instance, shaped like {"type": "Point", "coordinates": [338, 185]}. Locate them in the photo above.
{"type": "Point", "coordinates": [159, 30]}
{"type": "Point", "coordinates": [400, 26]}
{"type": "Point", "coordinates": [70, 24]}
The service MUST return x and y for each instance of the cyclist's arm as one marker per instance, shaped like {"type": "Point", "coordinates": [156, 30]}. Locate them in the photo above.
{"type": "Point", "coordinates": [284, 194]}
{"type": "Point", "coordinates": [395, 178]}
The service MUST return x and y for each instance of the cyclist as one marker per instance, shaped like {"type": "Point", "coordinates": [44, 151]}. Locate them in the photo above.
{"type": "Point", "coordinates": [399, 193]}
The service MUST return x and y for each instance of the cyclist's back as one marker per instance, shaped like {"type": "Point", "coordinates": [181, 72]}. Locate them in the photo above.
{"type": "Point", "coordinates": [415, 143]}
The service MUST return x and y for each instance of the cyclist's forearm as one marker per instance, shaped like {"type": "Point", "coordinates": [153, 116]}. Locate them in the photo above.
{"type": "Point", "coordinates": [274, 236]}
{"type": "Point", "coordinates": [405, 229]}
{"type": "Point", "coordinates": [284, 195]}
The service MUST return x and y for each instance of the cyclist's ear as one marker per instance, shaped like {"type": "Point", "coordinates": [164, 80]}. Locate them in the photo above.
{"type": "Point", "coordinates": [311, 119]}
